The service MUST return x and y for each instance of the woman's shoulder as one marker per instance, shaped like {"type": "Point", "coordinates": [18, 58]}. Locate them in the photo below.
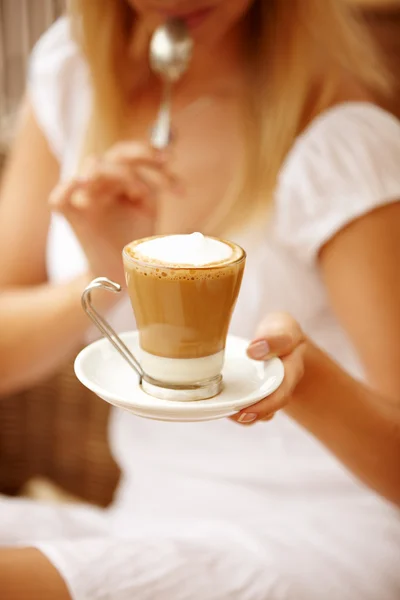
{"type": "Point", "coordinates": [56, 38]}
{"type": "Point", "coordinates": [350, 141]}
{"type": "Point", "coordinates": [344, 164]}
{"type": "Point", "coordinates": [55, 59]}
{"type": "Point", "coordinates": [361, 114]}
{"type": "Point", "coordinates": [57, 83]}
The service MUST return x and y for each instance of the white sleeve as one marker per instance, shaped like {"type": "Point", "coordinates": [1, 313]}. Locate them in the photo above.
{"type": "Point", "coordinates": [52, 84]}
{"type": "Point", "coordinates": [346, 164]}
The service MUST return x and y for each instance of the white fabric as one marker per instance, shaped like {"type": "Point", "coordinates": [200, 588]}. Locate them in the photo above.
{"type": "Point", "coordinates": [309, 209]}
{"type": "Point", "coordinates": [214, 510]}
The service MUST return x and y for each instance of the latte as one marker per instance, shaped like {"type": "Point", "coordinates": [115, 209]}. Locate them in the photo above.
{"type": "Point", "coordinates": [183, 289]}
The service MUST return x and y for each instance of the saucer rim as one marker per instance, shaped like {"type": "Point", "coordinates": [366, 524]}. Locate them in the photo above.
{"type": "Point", "coordinates": [175, 406]}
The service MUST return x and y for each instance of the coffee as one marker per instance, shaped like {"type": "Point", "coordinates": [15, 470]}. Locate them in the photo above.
{"type": "Point", "coordinates": [183, 289]}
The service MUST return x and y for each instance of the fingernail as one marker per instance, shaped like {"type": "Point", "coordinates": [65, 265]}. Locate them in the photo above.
{"type": "Point", "coordinates": [258, 350]}
{"type": "Point", "coordinates": [247, 418]}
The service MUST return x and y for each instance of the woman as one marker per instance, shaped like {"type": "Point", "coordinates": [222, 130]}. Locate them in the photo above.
{"type": "Point", "coordinates": [305, 176]}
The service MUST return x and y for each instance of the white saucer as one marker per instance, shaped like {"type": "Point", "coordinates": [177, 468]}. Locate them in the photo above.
{"type": "Point", "coordinates": [101, 369]}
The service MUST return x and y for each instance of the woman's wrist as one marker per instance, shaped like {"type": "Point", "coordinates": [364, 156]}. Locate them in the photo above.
{"type": "Point", "coordinates": [322, 380]}
{"type": "Point", "coordinates": [327, 401]}
{"type": "Point", "coordinates": [360, 427]}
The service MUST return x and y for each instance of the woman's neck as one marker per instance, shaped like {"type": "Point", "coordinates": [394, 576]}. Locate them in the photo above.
{"type": "Point", "coordinates": [218, 69]}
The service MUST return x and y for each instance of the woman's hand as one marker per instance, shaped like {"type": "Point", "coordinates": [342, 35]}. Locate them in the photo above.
{"type": "Point", "coordinates": [278, 335]}
{"type": "Point", "coordinates": [113, 202]}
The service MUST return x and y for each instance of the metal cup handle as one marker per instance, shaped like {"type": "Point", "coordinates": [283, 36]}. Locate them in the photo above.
{"type": "Point", "coordinates": [102, 283]}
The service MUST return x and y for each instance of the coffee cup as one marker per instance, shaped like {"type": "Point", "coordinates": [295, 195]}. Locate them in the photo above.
{"type": "Point", "coordinates": [183, 290]}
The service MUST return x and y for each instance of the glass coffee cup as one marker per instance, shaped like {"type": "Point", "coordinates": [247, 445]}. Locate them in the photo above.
{"type": "Point", "coordinates": [183, 290]}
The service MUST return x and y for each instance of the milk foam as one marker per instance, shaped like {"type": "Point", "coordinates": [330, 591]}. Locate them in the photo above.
{"type": "Point", "coordinates": [182, 371]}
{"type": "Point", "coordinates": [190, 249]}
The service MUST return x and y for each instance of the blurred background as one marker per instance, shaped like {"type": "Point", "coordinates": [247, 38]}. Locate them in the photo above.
{"type": "Point", "coordinates": [53, 442]}
{"type": "Point", "coordinates": [53, 439]}
{"type": "Point", "coordinates": [22, 22]}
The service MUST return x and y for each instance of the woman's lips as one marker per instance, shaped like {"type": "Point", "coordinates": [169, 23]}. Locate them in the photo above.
{"type": "Point", "coordinates": [193, 19]}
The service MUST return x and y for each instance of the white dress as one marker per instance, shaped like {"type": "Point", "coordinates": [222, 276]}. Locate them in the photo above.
{"type": "Point", "coordinates": [215, 511]}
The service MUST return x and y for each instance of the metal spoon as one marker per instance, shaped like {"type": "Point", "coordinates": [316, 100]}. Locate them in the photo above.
{"type": "Point", "coordinates": [171, 48]}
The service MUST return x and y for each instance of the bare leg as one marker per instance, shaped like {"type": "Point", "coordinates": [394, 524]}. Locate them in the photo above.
{"type": "Point", "coordinates": [26, 573]}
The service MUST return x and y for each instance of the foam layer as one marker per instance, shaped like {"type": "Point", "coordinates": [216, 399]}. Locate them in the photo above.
{"type": "Point", "coordinates": [181, 371]}
{"type": "Point", "coordinates": [191, 249]}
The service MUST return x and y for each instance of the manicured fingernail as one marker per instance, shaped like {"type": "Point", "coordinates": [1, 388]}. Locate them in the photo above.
{"type": "Point", "coordinates": [258, 350]}
{"type": "Point", "coordinates": [247, 418]}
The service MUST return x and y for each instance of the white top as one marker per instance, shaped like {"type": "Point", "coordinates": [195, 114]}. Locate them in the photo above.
{"type": "Point", "coordinates": [345, 164]}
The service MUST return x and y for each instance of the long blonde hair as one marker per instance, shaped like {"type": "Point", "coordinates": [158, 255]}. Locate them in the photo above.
{"type": "Point", "coordinates": [300, 52]}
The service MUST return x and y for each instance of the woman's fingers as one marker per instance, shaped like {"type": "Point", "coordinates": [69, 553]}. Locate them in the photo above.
{"type": "Point", "coordinates": [129, 171]}
{"type": "Point", "coordinates": [158, 179]}
{"type": "Point", "coordinates": [148, 162]}
{"type": "Point", "coordinates": [106, 181]}
{"type": "Point", "coordinates": [277, 335]}
{"type": "Point", "coordinates": [136, 152]}
{"type": "Point", "coordinates": [62, 194]}
{"type": "Point", "coordinates": [265, 409]}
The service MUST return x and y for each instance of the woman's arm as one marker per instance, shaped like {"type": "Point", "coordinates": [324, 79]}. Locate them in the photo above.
{"type": "Point", "coordinates": [40, 323]}
{"type": "Point", "coordinates": [359, 424]}
{"type": "Point", "coordinates": [26, 573]}
{"type": "Point", "coordinates": [43, 323]}
{"type": "Point", "coordinates": [361, 269]}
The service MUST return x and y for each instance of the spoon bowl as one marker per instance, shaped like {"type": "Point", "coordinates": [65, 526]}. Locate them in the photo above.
{"type": "Point", "coordinates": [171, 49]}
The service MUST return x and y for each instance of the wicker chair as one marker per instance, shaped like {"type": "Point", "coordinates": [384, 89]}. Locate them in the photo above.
{"type": "Point", "coordinates": [58, 431]}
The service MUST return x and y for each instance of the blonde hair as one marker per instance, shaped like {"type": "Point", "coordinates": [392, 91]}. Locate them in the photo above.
{"type": "Point", "coordinates": [299, 54]}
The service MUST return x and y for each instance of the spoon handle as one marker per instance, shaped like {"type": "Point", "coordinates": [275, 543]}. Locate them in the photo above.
{"type": "Point", "coordinates": [161, 133]}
